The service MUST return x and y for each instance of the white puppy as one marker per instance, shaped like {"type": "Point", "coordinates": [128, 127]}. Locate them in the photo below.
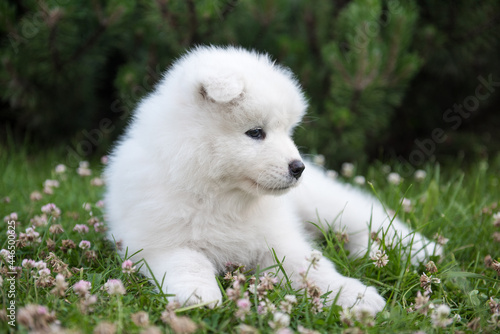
{"type": "Point", "coordinates": [208, 174]}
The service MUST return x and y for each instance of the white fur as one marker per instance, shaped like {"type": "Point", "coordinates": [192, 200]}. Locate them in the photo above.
{"type": "Point", "coordinates": [190, 189]}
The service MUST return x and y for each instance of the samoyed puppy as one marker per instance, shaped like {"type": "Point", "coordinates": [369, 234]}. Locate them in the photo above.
{"type": "Point", "coordinates": [207, 173]}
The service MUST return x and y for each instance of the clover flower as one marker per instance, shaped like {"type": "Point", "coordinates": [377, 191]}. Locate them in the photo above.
{"type": "Point", "coordinates": [280, 320]}
{"type": "Point", "coordinates": [496, 219]}
{"type": "Point", "coordinates": [380, 259]}
{"type": "Point", "coordinates": [84, 244]}
{"type": "Point", "coordinates": [51, 184]}
{"type": "Point", "coordinates": [179, 324]}
{"type": "Point", "coordinates": [36, 196]}
{"type": "Point", "coordinates": [364, 315]}
{"type": "Point", "coordinates": [44, 279]}
{"type": "Point", "coordinates": [347, 170]}
{"type": "Point", "coordinates": [422, 302]}
{"type": "Point", "coordinates": [441, 240]}
{"type": "Point", "coordinates": [407, 205]}
{"type": "Point", "coordinates": [331, 174]}
{"type": "Point", "coordinates": [5, 254]}
{"type": "Point", "coordinates": [394, 178]}
{"type": "Point", "coordinates": [30, 237]}
{"type": "Point", "coordinates": [36, 318]}
{"type": "Point", "coordinates": [83, 169]}
{"type": "Point", "coordinates": [128, 267]}
{"type": "Point", "coordinates": [41, 220]}
{"type": "Point", "coordinates": [51, 209]}
{"type": "Point", "coordinates": [420, 175]}
{"type": "Point", "coordinates": [265, 307]}
{"type": "Point", "coordinates": [496, 265]}
{"type": "Point", "coordinates": [359, 180]}
{"type": "Point", "coordinates": [114, 287]}
{"type": "Point", "coordinates": [140, 318]}
{"type": "Point", "coordinates": [319, 160]}
{"type": "Point", "coordinates": [60, 286]}
{"type": "Point", "coordinates": [287, 304]}
{"type": "Point", "coordinates": [13, 216]}
{"type": "Point", "coordinates": [97, 182]}
{"type": "Point", "coordinates": [243, 305]}
{"type": "Point", "coordinates": [56, 229]}
{"type": "Point", "coordinates": [347, 316]}
{"type": "Point", "coordinates": [431, 267]}
{"type": "Point", "coordinates": [314, 258]}
{"type": "Point", "coordinates": [28, 263]}
{"type": "Point", "coordinates": [60, 169]}
{"type": "Point", "coordinates": [40, 265]}
{"type": "Point", "coordinates": [440, 316]}
{"type": "Point", "coordinates": [82, 288]}
{"type": "Point", "coordinates": [80, 228]}
{"type": "Point", "coordinates": [426, 281]}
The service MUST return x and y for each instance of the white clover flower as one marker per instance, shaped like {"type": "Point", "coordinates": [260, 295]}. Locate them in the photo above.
{"type": "Point", "coordinates": [420, 175]}
{"type": "Point", "coordinates": [84, 244]}
{"type": "Point", "coordinates": [331, 174]}
{"type": "Point", "coordinates": [426, 281]}
{"type": "Point", "coordinates": [28, 263]}
{"type": "Point", "coordinates": [406, 205]}
{"type": "Point", "coordinates": [496, 219]}
{"type": "Point", "coordinates": [380, 259]}
{"type": "Point", "coordinates": [87, 206]}
{"type": "Point", "coordinates": [36, 196]}
{"type": "Point", "coordinates": [81, 228]}
{"type": "Point", "coordinates": [82, 288]}
{"type": "Point", "coordinates": [128, 267]}
{"type": "Point", "coordinates": [394, 178]}
{"type": "Point", "coordinates": [440, 316]}
{"type": "Point", "coordinates": [51, 184]}
{"type": "Point", "coordinates": [60, 169]}
{"type": "Point", "coordinates": [83, 169]}
{"type": "Point", "coordinates": [314, 258]}
{"type": "Point", "coordinates": [364, 315]}
{"type": "Point", "coordinates": [422, 302]}
{"type": "Point", "coordinates": [441, 240]}
{"type": "Point", "coordinates": [51, 209]}
{"type": "Point", "coordinates": [319, 160]}
{"type": "Point", "coordinates": [347, 169]}
{"type": "Point", "coordinates": [40, 265]}
{"type": "Point", "coordinates": [280, 320]}
{"type": "Point", "coordinates": [97, 182]}
{"type": "Point", "coordinates": [360, 180]}
{"type": "Point", "coordinates": [114, 287]}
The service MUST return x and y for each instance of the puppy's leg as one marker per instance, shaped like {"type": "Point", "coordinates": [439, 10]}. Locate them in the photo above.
{"type": "Point", "coordinates": [342, 207]}
{"type": "Point", "coordinates": [351, 292]}
{"type": "Point", "coordinates": [188, 274]}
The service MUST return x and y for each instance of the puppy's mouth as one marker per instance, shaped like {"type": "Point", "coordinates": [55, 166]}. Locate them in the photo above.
{"type": "Point", "coordinates": [275, 189]}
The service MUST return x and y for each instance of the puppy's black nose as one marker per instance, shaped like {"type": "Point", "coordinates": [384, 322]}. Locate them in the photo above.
{"type": "Point", "coordinates": [296, 167]}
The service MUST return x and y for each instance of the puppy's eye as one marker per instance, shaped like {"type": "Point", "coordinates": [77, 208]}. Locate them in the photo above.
{"type": "Point", "coordinates": [256, 133]}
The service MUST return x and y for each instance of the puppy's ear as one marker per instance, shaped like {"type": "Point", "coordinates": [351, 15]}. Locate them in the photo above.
{"type": "Point", "coordinates": [222, 88]}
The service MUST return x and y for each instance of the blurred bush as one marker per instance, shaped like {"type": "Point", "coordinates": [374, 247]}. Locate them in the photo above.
{"type": "Point", "coordinates": [379, 74]}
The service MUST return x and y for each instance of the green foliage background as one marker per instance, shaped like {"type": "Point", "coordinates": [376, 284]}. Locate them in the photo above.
{"type": "Point", "coordinates": [379, 74]}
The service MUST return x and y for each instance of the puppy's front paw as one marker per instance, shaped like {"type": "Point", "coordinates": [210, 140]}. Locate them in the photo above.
{"type": "Point", "coordinates": [354, 293]}
{"type": "Point", "coordinates": [191, 294]}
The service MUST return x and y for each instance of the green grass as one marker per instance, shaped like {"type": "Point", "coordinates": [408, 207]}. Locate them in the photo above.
{"type": "Point", "coordinates": [454, 202]}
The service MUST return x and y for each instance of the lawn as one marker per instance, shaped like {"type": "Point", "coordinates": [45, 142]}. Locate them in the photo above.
{"type": "Point", "coordinates": [65, 276]}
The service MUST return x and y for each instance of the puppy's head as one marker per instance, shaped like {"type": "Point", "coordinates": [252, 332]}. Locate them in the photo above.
{"type": "Point", "coordinates": [244, 108]}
